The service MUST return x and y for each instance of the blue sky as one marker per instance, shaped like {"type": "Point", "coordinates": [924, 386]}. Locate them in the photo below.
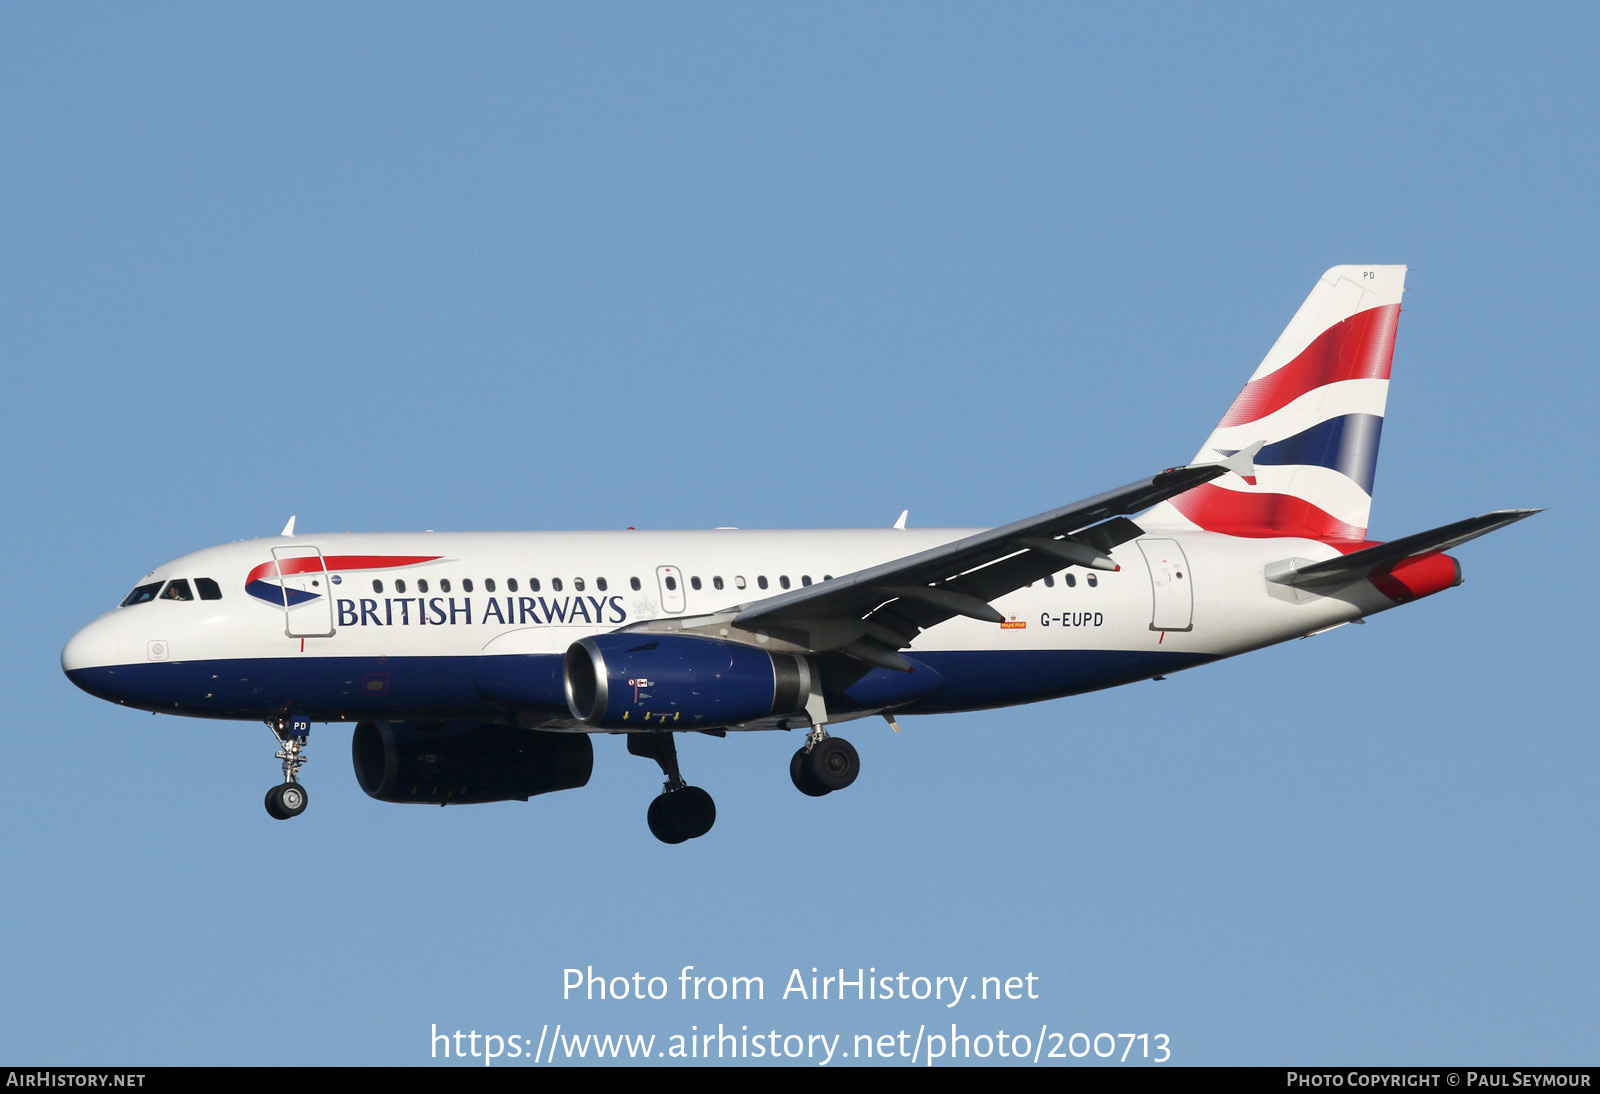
{"type": "Point", "coordinates": [397, 267]}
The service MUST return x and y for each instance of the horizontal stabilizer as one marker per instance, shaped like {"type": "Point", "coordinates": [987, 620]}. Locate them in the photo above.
{"type": "Point", "coordinates": [1359, 564]}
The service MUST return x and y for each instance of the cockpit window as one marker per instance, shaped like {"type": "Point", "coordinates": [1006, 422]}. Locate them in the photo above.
{"type": "Point", "coordinates": [208, 588]}
{"type": "Point", "coordinates": [177, 589]}
{"type": "Point", "coordinates": [143, 594]}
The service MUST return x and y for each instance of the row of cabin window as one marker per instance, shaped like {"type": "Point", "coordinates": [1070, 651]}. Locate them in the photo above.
{"type": "Point", "coordinates": [579, 584]}
{"type": "Point", "coordinates": [176, 589]}
{"type": "Point", "coordinates": [490, 586]}
{"type": "Point", "coordinates": [739, 582]}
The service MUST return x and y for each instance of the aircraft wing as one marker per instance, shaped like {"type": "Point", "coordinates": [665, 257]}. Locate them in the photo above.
{"type": "Point", "coordinates": [872, 613]}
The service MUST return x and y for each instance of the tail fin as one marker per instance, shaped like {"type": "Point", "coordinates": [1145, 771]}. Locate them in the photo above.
{"type": "Point", "coordinates": [1316, 405]}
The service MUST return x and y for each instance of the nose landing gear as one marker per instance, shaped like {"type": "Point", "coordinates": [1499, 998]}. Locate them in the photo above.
{"type": "Point", "coordinates": [288, 799]}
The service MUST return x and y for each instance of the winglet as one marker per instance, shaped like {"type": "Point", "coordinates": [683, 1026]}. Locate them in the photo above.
{"type": "Point", "coordinates": [288, 529]}
{"type": "Point", "coordinates": [901, 523]}
{"type": "Point", "coordinates": [1242, 462]}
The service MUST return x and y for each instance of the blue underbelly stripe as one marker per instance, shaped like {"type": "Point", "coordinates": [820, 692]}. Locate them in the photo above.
{"type": "Point", "coordinates": [355, 688]}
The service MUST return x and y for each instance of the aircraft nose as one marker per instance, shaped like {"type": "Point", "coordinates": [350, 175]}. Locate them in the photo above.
{"type": "Point", "coordinates": [94, 646]}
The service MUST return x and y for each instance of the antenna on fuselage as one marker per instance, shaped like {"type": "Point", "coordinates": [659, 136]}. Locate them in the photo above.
{"type": "Point", "coordinates": [288, 529]}
{"type": "Point", "coordinates": [901, 523]}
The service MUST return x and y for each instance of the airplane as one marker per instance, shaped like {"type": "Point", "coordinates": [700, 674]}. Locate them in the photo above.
{"type": "Point", "coordinates": [475, 666]}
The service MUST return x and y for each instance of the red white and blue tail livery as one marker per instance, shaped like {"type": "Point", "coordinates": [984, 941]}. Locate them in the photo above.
{"type": "Point", "coordinates": [1316, 405]}
{"type": "Point", "coordinates": [476, 667]}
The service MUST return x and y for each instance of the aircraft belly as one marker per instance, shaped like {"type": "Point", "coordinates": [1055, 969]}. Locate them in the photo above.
{"type": "Point", "coordinates": [979, 679]}
{"type": "Point", "coordinates": [325, 689]}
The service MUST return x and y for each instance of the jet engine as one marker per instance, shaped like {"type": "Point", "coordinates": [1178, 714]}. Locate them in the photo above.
{"type": "Point", "coordinates": [461, 763]}
{"type": "Point", "coordinates": [675, 681]}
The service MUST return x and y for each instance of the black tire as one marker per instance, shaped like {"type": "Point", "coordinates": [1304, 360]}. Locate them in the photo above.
{"type": "Point", "coordinates": [292, 799]}
{"type": "Point", "coordinates": [833, 763]}
{"type": "Point", "coordinates": [697, 810]}
{"type": "Point", "coordinates": [666, 820]}
{"type": "Point", "coordinates": [274, 806]}
{"type": "Point", "coordinates": [801, 777]}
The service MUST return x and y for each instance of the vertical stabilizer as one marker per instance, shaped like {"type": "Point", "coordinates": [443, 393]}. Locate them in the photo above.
{"type": "Point", "coordinates": [1316, 405]}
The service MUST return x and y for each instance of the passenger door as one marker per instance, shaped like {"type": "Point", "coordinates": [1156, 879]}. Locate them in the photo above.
{"type": "Point", "coordinates": [307, 592]}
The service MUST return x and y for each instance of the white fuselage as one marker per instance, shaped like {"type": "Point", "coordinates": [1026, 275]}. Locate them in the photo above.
{"type": "Point", "coordinates": [391, 625]}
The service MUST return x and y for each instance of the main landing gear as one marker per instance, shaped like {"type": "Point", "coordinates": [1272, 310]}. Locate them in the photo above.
{"type": "Point", "coordinates": [824, 764]}
{"type": "Point", "coordinates": [680, 812]}
{"type": "Point", "coordinates": [288, 799]}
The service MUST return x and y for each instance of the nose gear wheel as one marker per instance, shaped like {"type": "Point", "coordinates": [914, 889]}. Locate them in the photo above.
{"type": "Point", "coordinates": [288, 799]}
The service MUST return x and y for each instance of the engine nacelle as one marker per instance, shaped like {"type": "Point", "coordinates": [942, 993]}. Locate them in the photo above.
{"type": "Point", "coordinates": [464, 763]}
{"type": "Point", "coordinates": [628, 680]}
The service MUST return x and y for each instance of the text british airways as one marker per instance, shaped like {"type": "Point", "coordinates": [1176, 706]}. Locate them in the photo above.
{"type": "Point", "coordinates": [440, 611]}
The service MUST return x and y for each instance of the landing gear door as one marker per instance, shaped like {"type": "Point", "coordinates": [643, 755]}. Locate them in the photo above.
{"type": "Point", "coordinates": [1173, 608]}
{"type": "Point", "coordinates": [307, 592]}
{"type": "Point", "coordinates": [670, 579]}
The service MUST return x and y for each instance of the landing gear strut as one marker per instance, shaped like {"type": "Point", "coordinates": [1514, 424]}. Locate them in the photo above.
{"type": "Point", "coordinates": [288, 799]}
{"type": "Point", "coordinates": [680, 812]}
{"type": "Point", "coordinates": [824, 764]}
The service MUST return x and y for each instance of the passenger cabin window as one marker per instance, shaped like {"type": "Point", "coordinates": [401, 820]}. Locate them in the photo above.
{"type": "Point", "coordinates": [444, 585]}
{"type": "Point", "coordinates": [511, 585]}
{"type": "Point", "coordinates": [600, 583]}
{"type": "Point", "coordinates": [1049, 581]}
{"type": "Point", "coordinates": [209, 589]}
{"type": "Point", "coordinates": [634, 583]}
{"type": "Point", "coordinates": [1093, 580]}
{"type": "Point", "coordinates": [177, 590]}
{"type": "Point", "coordinates": [805, 579]}
{"type": "Point", "coordinates": [422, 584]}
{"type": "Point", "coordinates": [466, 585]}
{"type": "Point", "coordinates": [377, 585]}
{"type": "Point", "coordinates": [783, 581]}
{"type": "Point", "coordinates": [533, 585]}
{"type": "Point", "coordinates": [694, 583]}
{"type": "Point", "coordinates": [577, 585]}
{"type": "Point", "coordinates": [555, 583]}
{"type": "Point", "coordinates": [672, 584]}
{"type": "Point", "coordinates": [488, 585]}
{"type": "Point", "coordinates": [716, 583]}
{"type": "Point", "coordinates": [738, 581]}
{"type": "Point", "coordinates": [762, 581]}
{"type": "Point", "coordinates": [399, 584]}
{"type": "Point", "coordinates": [1070, 580]}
